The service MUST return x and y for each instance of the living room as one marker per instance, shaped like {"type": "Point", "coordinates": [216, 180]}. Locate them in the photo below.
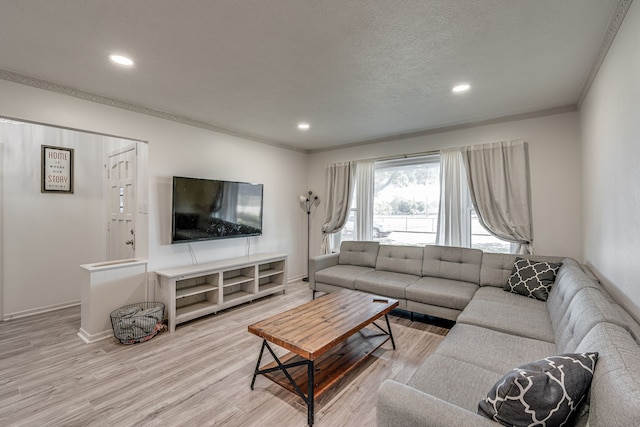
{"type": "Point", "coordinates": [584, 180]}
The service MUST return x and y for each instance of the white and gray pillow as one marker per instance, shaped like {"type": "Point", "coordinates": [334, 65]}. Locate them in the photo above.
{"type": "Point", "coordinates": [532, 279]}
{"type": "Point", "coordinates": [544, 393]}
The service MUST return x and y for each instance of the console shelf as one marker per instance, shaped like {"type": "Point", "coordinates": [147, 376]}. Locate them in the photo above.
{"type": "Point", "coordinates": [194, 290]}
{"type": "Point", "coordinates": [237, 280]}
{"type": "Point", "coordinates": [198, 290]}
{"type": "Point", "coordinates": [270, 272]}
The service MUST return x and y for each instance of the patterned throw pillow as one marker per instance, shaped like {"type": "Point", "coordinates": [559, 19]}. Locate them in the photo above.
{"type": "Point", "coordinates": [543, 393]}
{"type": "Point", "coordinates": [532, 278]}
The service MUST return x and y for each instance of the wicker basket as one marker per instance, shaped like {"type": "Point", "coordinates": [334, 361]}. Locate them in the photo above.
{"type": "Point", "coordinates": [138, 322]}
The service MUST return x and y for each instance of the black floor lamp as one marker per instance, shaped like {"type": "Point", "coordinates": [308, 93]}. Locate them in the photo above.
{"type": "Point", "coordinates": [308, 203]}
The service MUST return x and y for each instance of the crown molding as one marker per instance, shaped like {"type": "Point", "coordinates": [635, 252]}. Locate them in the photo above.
{"type": "Point", "coordinates": [454, 127]}
{"type": "Point", "coordinates": [116, 103]}
{"type": "Point", "coordinates": [614, 26]}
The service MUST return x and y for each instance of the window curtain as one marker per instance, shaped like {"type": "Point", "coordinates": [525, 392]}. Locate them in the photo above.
{"type": "Point", "coordinates": [453, 216]}
{"type": "Point", "coordinates": [499, 186]}
{"type": "Point", "coordinates": [339, 190]}
{"type": "Point", "coordinates": [365, 187]}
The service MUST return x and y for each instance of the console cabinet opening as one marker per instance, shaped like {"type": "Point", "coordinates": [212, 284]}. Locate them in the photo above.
{"type": "Point", "coordinates": [270, 275]}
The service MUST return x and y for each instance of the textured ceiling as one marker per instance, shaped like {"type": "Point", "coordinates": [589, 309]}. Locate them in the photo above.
{"type": "Point", "coordinates": [356, 70]}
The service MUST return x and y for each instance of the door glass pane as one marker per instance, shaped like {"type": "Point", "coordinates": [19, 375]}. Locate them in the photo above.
{"type": "Point", "coordinates": [121, 200]}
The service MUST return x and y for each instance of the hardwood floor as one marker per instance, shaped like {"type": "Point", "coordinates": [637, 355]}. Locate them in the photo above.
{"type": "Point", "coordinates": [198, 376]}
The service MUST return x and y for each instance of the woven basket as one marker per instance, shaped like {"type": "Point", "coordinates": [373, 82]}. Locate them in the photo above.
{"type": "Point", "coordinates": [138, 322]}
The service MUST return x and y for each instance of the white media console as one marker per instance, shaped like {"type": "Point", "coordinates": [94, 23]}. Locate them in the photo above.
{"type": "Point", "coordinates": [198, 290]}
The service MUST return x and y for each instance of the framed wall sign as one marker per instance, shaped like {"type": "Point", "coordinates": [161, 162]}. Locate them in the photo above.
{"type": "Point", "coordinates": [57, 169]}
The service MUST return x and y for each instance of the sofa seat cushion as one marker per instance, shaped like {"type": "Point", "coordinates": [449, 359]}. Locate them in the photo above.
{"type": "Point", "coordinates": [461, 383]}
{"type": "Point", "coordinates": [386, 283]}
{"type": "Point", "coordinates": [441, 292]}
{"type": "Point", "coordinates": [615, 388]}
{"type": "Point", "coordinates": [400, 405]}
{"type": "Point", "coordinates": [341, 275]}
{"type": "Point", "coordinates": [522, 320]}
{"type": "Point", "coordinates": [492, 350]}
{"type": "Point", "coordinates": [490, 293]}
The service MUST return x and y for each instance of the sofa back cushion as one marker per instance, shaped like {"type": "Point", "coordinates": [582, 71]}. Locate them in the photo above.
{"type": "Point", "coordinates": [363, 254]}
{"type": "Point", "coordinates": [448, 262]}
{"type": "Point", "coordinates": [496, 268]}
{"type": "Point", "coordinates": [400, 259]}
{"type": "Point", "coordinates": [586, 309]}
{"type": "Point", "coordinates": [570, 279]}
{"type": "Point", "coordinates": [615, 388]}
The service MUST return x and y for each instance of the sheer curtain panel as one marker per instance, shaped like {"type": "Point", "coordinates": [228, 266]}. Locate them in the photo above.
{"type": "Point", "coordinates": [453, 222]}
{"type": "Point", "coordinates": [498, 178]}
{"type": "Point", "coordinates": [339, 190]}
{"type": "Point", "coordinates": [365, 183]}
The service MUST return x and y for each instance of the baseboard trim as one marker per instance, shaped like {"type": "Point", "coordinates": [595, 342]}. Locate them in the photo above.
{"type": "Point", "coordinates": [89, 338]}
{"type": "Point", "coordinates": [39, 310]}
{"type": "Point", "coordinates": [296, 278]}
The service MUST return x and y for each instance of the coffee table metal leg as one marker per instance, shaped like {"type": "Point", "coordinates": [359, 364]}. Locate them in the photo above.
{"type": "Point", "coordinates": [311, 380]}
{"type": "Point", "coordinates": [388, 331]}
{"type": "Point", "coordinates": [308, 399]}
{"type": "Point", "coordinates": [257, 370]}
{"type": "Point", "coordinates": [386, 317]}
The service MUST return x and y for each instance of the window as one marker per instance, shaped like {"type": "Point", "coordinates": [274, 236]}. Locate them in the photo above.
{"type": "Point", "coordinates": [406, 200]}
{"type": "Point", "coordinates": [348, 232]}
{"type": "Point", "coordinates": [406, 205]}
{"type": "Point", "coordinates": [482, 239]}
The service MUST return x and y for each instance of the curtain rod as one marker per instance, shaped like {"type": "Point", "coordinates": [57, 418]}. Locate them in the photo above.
{"type": "Point", "coordinates": [399, 156]}
{"type": "Point", "coordinates": [408, 156]}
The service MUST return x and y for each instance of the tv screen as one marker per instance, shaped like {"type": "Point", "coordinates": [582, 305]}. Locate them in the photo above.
{"type": "Point", "coordinates": [205, 209]}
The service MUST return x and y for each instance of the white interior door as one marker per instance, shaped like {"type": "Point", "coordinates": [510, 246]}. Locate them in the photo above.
{"type": "Point", "coordinates": [122, 204]}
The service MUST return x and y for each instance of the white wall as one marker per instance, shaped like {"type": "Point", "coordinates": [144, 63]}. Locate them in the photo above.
{"type": "Point", "coordinates": [209, 155]}
{"type": "Point", "coordinates": [610, 122]}
{"type": "Point", "coordinates": [174, 149]}
{"type": "Point", "coordinates": [554, 151]}
{"type": "Point", "coordinates": [64, 230]}
{"type": "Point", "coordinates": [47, 233]}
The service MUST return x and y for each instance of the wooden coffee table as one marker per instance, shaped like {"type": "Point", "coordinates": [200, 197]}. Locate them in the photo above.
{"type": "Point", "coordinates": [326, 338]}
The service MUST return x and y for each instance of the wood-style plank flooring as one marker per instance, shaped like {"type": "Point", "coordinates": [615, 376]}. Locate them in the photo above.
{"type": "Point", "coordinates": [198, 376]}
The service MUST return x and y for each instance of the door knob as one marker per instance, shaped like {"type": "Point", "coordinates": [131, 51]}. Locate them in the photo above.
{"type": "Point", "coordinates": [132, 242]}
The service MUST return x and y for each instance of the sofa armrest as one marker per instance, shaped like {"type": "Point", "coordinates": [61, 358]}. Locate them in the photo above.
{"type": "Point", "coordinates": [400, 405]}
{"type": "Point", "coordinates": [318, 263]}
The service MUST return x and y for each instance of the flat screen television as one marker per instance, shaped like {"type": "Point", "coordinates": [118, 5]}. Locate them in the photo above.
{"type": "Point", "coordinates": [205, 209]}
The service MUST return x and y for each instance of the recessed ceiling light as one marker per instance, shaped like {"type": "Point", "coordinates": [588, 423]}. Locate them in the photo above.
{"type": "Point", "coordinates": [461, 88]}
{"type": "Point", "coordinates": [121, 60]}
{"type": "Point", "coordinates": [303, 126]}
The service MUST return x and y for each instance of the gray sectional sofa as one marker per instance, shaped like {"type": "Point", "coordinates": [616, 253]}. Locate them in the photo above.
{"type": "Point", "coordinates": [495, 330]}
